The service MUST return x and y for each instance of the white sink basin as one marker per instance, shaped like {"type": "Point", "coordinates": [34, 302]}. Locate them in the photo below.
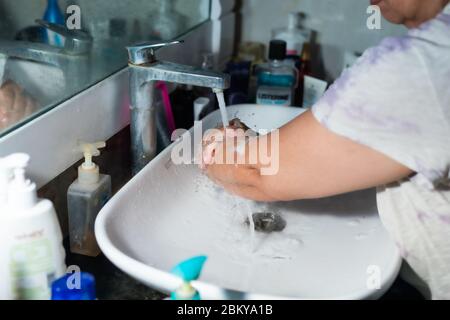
{"type": "Point", "coordinates": [330, 249]}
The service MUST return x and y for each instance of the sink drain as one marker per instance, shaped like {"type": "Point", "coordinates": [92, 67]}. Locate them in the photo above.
{"type": "Point", "coordinates": [267, 222]}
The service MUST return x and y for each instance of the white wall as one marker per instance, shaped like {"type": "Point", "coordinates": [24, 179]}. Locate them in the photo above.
{"type": "Point", "coordinates": [341, 25]}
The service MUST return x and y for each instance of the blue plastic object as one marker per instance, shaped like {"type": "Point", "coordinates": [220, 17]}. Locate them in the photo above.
{"type": "Point", "coordinates": [71, 288]}
{"type": "Point", "coordinates": [53, 14]}
{"type": "Point", "coordinates": [188, 270]}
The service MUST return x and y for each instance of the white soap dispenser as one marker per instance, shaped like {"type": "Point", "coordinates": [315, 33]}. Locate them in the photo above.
{"type": "Point", "coordinates": [31, 254]}
{"type": "Point", "coordinates": [85, 198]}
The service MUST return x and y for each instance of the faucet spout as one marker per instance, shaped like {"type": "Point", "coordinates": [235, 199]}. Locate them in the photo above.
{"type": "Point", "coordinates": [182, 74]}
{"type": "Point", "coordinates": [37, 52]}
{"type": "Point", "coordinates": [73, 59]}
{"type": "Point", "coordinates": [145, 71]}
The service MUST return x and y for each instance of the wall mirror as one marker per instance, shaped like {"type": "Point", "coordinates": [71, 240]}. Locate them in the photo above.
{"type": "Point", "coordinates": [50, 50]}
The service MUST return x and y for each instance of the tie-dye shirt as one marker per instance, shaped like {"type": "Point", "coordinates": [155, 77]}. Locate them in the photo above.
{"type": "Point", "coordinates": [396, 100]}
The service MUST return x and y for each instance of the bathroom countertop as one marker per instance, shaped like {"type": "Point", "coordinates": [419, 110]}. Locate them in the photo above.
{"type": "Point", "coordinates": [113, 284]}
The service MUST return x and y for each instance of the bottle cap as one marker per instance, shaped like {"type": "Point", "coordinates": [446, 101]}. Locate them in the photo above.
{"type": "Point", "coordinates": [277, 50]}
{"type": "Point", "coordinates": [75, 286]}
{"type": "Point", "coordinates": [88, 172]}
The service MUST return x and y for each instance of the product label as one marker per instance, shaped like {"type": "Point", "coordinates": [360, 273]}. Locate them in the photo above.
{"type": "Point", "coordinates": [313, 90]}
{"type": "Point", "coordinates": [31, 269]}
{"type": "Point", "coordinates": [268, 98]}
{"type": "Point", "coordinates": [276, 80]}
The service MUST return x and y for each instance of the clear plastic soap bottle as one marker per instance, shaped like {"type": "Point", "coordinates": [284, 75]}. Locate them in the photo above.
{"type": "Point", "coordinates": [85, 198]}
{"type": "Point", "coordinates": [277, 79]}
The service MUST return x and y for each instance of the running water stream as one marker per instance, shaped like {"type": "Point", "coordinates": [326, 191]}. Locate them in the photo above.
{"type": "Point", "coordinates": [223, 108]}
{"type": "Point", "coordinates": [225, 122]}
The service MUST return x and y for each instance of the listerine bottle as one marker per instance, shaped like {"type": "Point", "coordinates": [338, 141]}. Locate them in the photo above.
{"type": "Point", "coordinates": [276, 79]}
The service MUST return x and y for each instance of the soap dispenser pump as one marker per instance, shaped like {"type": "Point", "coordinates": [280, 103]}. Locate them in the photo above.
{"type": "Point", "coordinates": [31, 254]}
{"type": "Point", "coordinates": [85, 198]}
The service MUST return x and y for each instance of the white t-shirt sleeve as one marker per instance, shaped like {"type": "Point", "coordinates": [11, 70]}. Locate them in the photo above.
{"type": "Point", "coordinates": [388, 102]}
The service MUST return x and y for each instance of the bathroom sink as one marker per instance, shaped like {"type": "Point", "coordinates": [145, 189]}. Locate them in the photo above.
{"type": "Point", "coordinates": [334, 248]}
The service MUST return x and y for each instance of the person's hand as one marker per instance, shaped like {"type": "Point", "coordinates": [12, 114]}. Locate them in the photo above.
{"type": "Point", "coordinates": [226, 161]}
{"type": "Point", "coordinates": [220, 145]}
{"type": "Point", "coordinates": [15, 104]}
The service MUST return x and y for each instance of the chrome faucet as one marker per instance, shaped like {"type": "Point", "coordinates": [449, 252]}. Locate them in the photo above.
{"type": "Point", "coordinates": [72, 59]}
{"type": "Point", "coordinates": [145, 70]}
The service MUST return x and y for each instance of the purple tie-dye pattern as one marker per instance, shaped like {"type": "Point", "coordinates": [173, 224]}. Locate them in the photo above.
{"type": "Point", "coordinates": [389, 45]}
{"type": "Point", "coordinates": [422, 216]}
{"type": "Point", "coordinates": [385, 122]}
{"type": "Point", "coordinates": [432, 175]}
{"type": "Point", "coordinates": [402, 250]}
{"type": "Point", "coordinates": [331, 97]}
{"type": "Point", "coordinates": [444, 18]}
{"type": "Point", "coordinates": [424, 27]}
{"type": "Point", "coordinates": [445, 219]}
{"type": "Point", "coordinates": [372, 57]}
{"type": "Point", "coordinates": [332, 94]}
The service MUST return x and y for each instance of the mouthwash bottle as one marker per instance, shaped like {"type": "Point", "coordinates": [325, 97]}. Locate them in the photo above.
{"type": "Point", "coordinates": [276, 79]}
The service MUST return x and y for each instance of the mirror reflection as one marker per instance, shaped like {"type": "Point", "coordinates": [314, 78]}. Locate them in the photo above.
{"type": "Point", "coordinates": [51, 50]}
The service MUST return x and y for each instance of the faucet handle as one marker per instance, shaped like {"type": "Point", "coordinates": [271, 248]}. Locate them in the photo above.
{"type": "Point", "coordinates": [76, 42]}
{"type": "Point", "coordinates": [145, 52]}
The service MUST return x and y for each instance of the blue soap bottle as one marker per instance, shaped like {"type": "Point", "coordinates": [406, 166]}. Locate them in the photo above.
{"type": "Point", "coordinates": [53, 14]}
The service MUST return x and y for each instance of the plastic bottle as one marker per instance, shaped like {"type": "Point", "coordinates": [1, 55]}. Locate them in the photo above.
{"type": "Point", "coordinates": [31, 253]}
{"type": "Point", "coordinates": [294, 35]}
{"type": "Point", "coordinates": [75, 286]}
{"type": "Point", "coordinates": [276, 80]}
{"type": "Point", "coordinates": [53, 14]}
{"type": "Point", "coordinates": [85, 198]}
